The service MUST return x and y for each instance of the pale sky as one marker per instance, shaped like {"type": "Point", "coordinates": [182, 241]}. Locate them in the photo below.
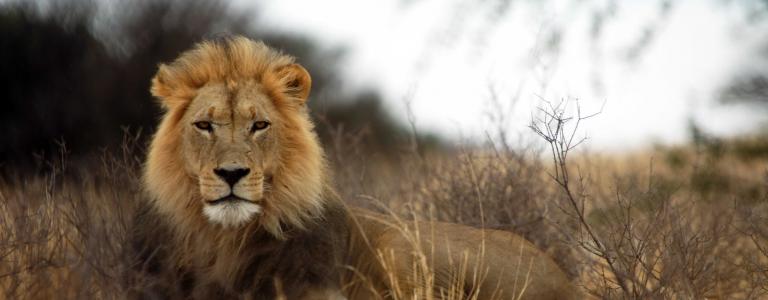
{"type": "Point", "coordinates": [449, 57]}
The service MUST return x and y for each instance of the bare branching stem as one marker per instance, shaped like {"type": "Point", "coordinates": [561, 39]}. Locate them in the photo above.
{"type": "Point", "coordinates": [552, 127]}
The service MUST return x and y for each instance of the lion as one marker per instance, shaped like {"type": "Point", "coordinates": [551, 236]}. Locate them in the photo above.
{"type": "Point", "coordinates": [241, 204]}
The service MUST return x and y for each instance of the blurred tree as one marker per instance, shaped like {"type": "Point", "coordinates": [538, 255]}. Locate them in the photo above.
{"type": "Point", "coordinates": [78, 71]}
{"type": "Point", "coordinates": [751, 87]}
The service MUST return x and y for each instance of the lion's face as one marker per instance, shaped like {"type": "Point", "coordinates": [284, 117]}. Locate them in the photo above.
{"type": "Point", "coordinates": [230, 147]}
{"type": "Point", "coordinates": [236, 144]}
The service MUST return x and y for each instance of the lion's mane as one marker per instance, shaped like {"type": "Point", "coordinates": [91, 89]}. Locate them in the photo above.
{"type": "Point", "coordinates": [296, 197]}
{"type": "Point", "coordinates": [288, 235]}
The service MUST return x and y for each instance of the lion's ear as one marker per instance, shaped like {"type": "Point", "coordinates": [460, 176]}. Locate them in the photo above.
{"type": "Point", "coordinates": [295, 81]}
{"type": "Point", "coordinates": [163, 87]}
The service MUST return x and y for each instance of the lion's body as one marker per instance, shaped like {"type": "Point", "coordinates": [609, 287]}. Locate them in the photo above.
{"type": "Point", "coordinates": [428, 259]}
{"type": "Point", "coordinates": [241, 205]}
{"type": "Point", "coordinates": [364, 255]}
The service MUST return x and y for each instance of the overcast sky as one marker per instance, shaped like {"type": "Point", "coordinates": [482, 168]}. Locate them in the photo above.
{"type": "Point", "coordinates": [450, 57]}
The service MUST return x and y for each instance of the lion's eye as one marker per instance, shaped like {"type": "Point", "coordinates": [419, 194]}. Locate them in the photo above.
{"type": "Point", "coordinates": [259, 125]}
{"type": "Point", "coordinates": [204, 125]}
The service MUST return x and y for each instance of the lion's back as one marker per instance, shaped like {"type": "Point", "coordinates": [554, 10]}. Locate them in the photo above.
{"type": "Point", "coordinates": [450, 259]}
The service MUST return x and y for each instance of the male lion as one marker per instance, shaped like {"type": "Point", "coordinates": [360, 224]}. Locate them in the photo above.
{"type": "Point", "coordinates": [241, 207]}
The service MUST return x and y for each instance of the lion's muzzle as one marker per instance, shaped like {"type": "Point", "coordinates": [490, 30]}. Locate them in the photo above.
{"type": "Point", "coordinates": [232, 195]}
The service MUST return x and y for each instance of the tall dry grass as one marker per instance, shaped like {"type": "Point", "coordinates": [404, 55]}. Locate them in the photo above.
{"type": "Point", "coordinates": [685, 222]}
{"type": "Point", "coordinates": [63, 233]}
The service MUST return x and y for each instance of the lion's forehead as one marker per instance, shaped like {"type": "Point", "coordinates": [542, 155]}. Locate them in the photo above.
{"type": "Point", "coordinates": [224, 103]}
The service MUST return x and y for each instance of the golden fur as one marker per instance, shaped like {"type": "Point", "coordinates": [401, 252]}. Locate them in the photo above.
{"type": "Point", "coordinates": [303, 241]}
{"type": "Point", "coordinates": [436, 260]}
{"type": "Point", "coordinates": [245, 63]}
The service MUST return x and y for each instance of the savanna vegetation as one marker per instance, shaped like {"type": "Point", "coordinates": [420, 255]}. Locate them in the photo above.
{"type": "Point", "coordinates": [682, 222]}
{"type": "Point", "coordinates": [674, 222]}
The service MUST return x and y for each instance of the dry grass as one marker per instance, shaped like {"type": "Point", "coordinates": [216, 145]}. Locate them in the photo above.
{"type": "Point", "coordinates": [684, 222]}
{"type": "Point", "coordinates": [63, 233]}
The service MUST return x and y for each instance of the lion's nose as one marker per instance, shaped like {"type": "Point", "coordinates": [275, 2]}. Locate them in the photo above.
{"type": "Point", "coordinates": [231, 176]}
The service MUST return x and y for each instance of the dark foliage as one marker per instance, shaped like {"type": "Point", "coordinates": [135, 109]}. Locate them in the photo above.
{"type": "Point", "coordinates": [74, 74]}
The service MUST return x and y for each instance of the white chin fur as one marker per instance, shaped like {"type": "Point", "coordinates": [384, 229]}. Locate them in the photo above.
{"type": "Point", "coordinates": [231, 214]}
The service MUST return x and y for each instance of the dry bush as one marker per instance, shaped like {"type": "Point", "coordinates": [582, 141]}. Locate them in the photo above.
{"type": "Point", "coordinates": [684, 233]}
{"type": "Point", "coordinates": [485, 186]}
{"type": "Point", "coordinates": [63, 233]}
